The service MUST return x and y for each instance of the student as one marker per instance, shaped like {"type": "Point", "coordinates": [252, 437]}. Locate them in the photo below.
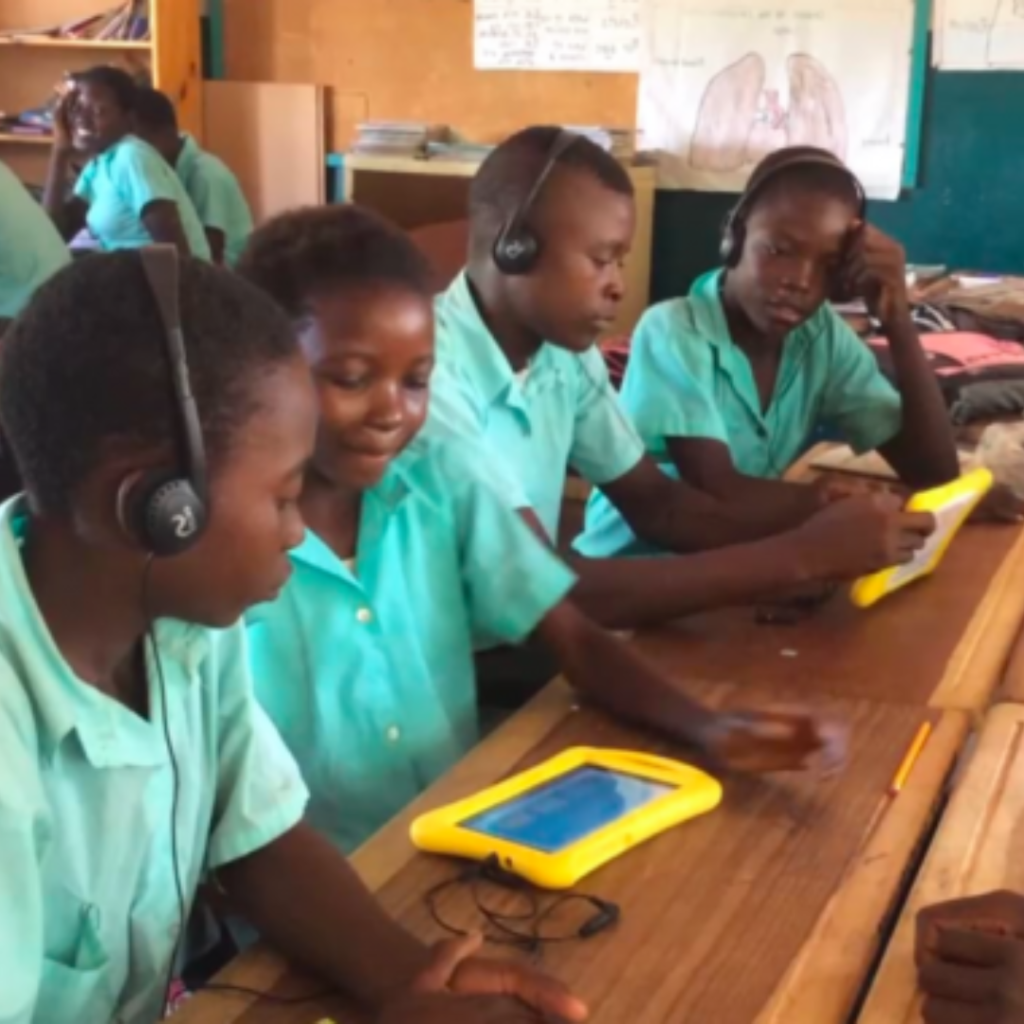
{"type": "Point", "coordinates": [727, 386]}
{"type": "Point", "coordinates": [213, 189]}
{"type": "Point", "coordinates": [365, 662]}
{"type": "Point", "coordinates": [126, 194]}
{"type": "Point", "coordinates": [133, 757]}
{"type": "Point", "coordinates": [30, 248]}
{"type": "Point", "coordinates": [517, 368]}
{"type": "Point", "coordinates": [970, 960]}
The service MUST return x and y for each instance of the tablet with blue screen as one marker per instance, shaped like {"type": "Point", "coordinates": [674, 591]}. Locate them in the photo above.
{"type": "Point", "coordinates": [556, 823]}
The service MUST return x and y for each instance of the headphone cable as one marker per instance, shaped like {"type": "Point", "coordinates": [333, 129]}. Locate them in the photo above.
{"type": "Point", "coordinates": [150, 638]}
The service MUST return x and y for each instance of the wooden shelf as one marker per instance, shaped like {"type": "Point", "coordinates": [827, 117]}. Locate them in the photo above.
{"type": "Point", "coordinates": [44, 42]}
{"type": "Point", "coordinates": [8, 139]}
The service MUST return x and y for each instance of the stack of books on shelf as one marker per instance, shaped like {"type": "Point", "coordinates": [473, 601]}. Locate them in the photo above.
{"type": "Point", "coordinates": [128, 21]}
{"type": "Point", "coordinates": [398, 138]}
{"type": "Point", "coordinates": [35, 123]}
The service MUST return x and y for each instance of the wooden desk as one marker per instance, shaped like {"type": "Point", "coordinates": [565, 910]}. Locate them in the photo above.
{"type": "Point", "coordinates": [768, 910]}
{"type": "Point", "coordinates": [944, 641]}
{"type": "Point", "coordinates": [977, 849]}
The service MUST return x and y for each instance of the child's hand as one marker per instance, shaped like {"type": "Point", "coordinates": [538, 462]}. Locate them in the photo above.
{"type": "Point", "coordinates": [970, 960]}
{"type": "Point", "coordinates": [856, 536]}
{"type": "Point", "coordinates": [776, 740]}
{"type": "Point", "coordinates": [457, 986]}
{"type": "Point", "coordinates": [876, 268]}
{"type": "Point", "coordinates": [1000, 505]}
{"type": "Point", "coordinates": [63, 129]}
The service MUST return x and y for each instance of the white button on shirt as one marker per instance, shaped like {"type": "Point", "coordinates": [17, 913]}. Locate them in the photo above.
{"type": "Point", "coordinates": [364, 615]}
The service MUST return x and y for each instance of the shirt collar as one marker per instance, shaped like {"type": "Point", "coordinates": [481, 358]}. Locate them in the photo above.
{"type": "Point", "coordinates": [477, 353]}
{"type": "Point", "coordinates": [110, 734]}
{"type": "Point", "coordinates": [709, 316]}
{"type": "Point", "coordinates": [379, 504]}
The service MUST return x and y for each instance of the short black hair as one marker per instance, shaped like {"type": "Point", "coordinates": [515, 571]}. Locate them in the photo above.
{"type": "Point", "coordinates": [85, 363]}
{"type": "Point", "coordinates": [124, 88]}
{"type": "Point", "coordinates": [155, 110]}
{"type": "Point", "coordinates": [508, 174]}
{"type": "Point", "coordinates": [833, 180]}
{"type": "Point", "coordinates": [299, 255]}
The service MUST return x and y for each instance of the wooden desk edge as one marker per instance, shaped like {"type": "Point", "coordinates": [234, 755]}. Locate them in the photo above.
{"type": "Point", "coordinates": [951, 861]}
{"type": "Point", "coordinates": [978, 664]}
{"type": "Point", "coordinates": [825, 978]}
{"type": "Point", "coordinates": [386, 853]}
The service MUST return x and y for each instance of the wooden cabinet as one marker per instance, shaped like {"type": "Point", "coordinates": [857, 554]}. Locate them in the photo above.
{"type": "Point", "coordinates": [30, 66]}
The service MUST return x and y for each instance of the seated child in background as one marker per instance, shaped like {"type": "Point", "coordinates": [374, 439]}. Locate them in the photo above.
{"type": "Point", "coordinates": [126, 194]}
{"type": "Point", "coordinates": [365, 661]}
{"type": "Point", "coordinates": [970, 960]}
{"type": "Point", "coordinates": [133, 756]}
{"type": "Point", "coordinates": [212, 187]}
{"type": "Point", "coordinates": [31, 250]}
{"type": "Point", "coordinates": [728, 385]}
{"type": "Point", "coordinates": [517, 369]}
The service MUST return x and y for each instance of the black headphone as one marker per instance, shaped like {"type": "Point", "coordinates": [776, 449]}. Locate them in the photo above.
{"type": "Point", "coordinates": [734, 234]}
{"type": "Point", "coordinates": [518, 246]}
{"type": "Point", "coordinates": [166, 511]}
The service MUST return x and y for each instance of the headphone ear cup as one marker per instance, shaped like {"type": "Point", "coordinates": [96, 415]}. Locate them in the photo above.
{"type": "Point", "coordinates": [732, 243]}
{"type": "Point", "coordinates": [163, 513]}
{"type": "Point", "coordinates": [516, 252]}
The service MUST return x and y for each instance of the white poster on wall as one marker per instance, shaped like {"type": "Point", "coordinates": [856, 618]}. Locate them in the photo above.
{"type": "Point", "coordinates": [725, 82]}
{"type": "Point", "coordinates": [557, 35]}
{"type": "Point", "coordinates": [979, 35]}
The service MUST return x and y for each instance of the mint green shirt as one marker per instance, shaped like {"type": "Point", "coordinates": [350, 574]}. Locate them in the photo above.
{"type": "Point", "coordinates": [31, 249]}
{"type": "Point", "coordinates": [89, 908]}
{"type": "Point", "coordinates": [216, 195]}
{"type": "Point", "coordinates": [562, 413]}
{"type": "Point", "coordinates": [686, 378]}
{"type": "Point", "coordinates": [120, 183]}
{"type": "Point", "coordinates": [367, 670]}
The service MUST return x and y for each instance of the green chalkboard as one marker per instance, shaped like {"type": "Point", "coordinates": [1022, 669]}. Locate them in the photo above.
{"type": "Point", "coordinates": [967, 210]}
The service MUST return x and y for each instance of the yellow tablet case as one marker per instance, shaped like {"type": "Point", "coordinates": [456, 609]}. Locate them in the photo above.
{"type": "Point", "coordinates": [672, 793]}
{"type": "Point", "coordinates": [951, 505]}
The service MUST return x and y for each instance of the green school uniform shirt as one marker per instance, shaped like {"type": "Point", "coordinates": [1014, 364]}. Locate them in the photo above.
{"type": "Point", "coordinates": [31, 249]}
{"type": "Point", "coordinates": [563, 412]}
{"type": "Point", "coordinates": [216, 196]}
{"type": "Point", "coordinates": [367, 670]}
{"type": "Point", "coordinates": [120, 183]}
{"type": "Point", "coordinates": [90, 910]}
{"type": "Point", "coordinates": [686, 378]}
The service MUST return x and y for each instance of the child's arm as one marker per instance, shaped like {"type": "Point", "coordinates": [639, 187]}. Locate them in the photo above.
{"type": "Point", "coordinates": [707, 464]}
{"type": "Point", "coordinates": [848, 539]}
{"type": "Point", "coordinates": [923, 453]}
{"type": "Point", "coordinates": [611, 674]}
{"type": "Point", "coordinates": [304, 898]}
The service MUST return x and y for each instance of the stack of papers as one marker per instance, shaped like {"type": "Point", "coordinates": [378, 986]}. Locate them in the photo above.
{"type": "Point", "coordinates": [398, 138]}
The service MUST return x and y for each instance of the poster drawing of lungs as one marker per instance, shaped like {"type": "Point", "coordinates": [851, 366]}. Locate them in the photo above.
{"type": "Point", "coordinates": [740, 120]}
{"type": "Point", "coordinates": [725, 82]}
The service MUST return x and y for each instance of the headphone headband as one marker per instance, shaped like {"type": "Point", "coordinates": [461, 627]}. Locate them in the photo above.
{"type": "Point", "coordinates": [798, 156]}
{"type": "Point", "coordinates": [517, 247]}
{"type": "Point", "coordinates": [767, 172]}
{"type": "Point", "coordinates": [163, 272]}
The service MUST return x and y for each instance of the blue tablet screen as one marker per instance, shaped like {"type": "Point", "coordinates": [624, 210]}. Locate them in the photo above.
{"type": "Point", "coordinates": [552, 817]}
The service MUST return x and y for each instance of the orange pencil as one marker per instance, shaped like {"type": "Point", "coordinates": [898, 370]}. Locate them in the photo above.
{"type": "Point", "coordinates": [907, 765]}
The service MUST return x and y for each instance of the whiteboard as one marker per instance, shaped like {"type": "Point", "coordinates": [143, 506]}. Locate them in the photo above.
{"type": "Point", "coordinates": [979, 35]}
{"type": "Point", "coordinates": [557, 35]}
{"type": "Point", "coordinates": [725, 82]}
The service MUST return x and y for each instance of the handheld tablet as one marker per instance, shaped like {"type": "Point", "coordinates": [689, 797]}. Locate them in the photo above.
{"type": "Point", "coordinates": [951, 505]}
{"type": "Point", "coordinates": [558, 822]}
